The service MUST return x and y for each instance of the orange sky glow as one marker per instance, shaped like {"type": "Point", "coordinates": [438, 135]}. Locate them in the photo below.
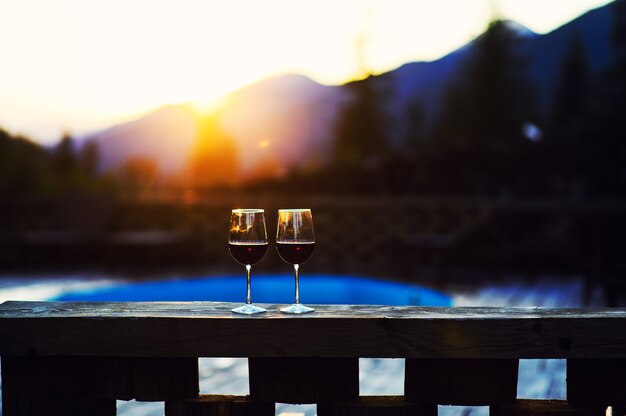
{"type": "Point", "coordinates": [80, 66]}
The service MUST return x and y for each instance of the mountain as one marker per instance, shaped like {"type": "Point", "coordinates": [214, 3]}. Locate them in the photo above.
{"type": "Point", "coordinates": [165, 136]}
{"type": "Point", "coordinates": [282, 121]}
{"type": "Point", "coordinates": [279, 122]}
{"type": "Point", "coordinates": [426, 82]}
{"type": "Point", "coordinates": [546, 52]}
{"type": "Point", "coordinates": [288, 120]}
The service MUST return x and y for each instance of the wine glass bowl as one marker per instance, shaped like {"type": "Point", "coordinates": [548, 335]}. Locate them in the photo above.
{"type": "Point", "coordinates": [247, 253]}
{"type": "Point", "coordinates": [247, 243]}
{"type": "Point", "coordinates": [295, 243]}
{"type": "Point", "coordinates": [296, 252]}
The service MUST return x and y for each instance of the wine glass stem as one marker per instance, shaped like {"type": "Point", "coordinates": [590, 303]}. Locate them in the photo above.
{"type": "Point", "coordinates": [295, 268]}
{"type": "Point", "coordinates": [248, 295]}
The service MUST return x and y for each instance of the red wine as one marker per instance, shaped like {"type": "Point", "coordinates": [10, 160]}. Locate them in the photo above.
{"type": "Point", "coordinates": [247, 253]}
{"type": "Point", "coordinates": [295, 252]}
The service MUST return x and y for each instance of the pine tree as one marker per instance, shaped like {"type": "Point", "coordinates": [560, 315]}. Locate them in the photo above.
{"type": "Point", "coordinates": [24, 166]}
{"type": "Point", "coordinates": [414, 139]}
{"type": "Point", "coordinates": [139, 173]}
{"type": "Point", "coordinates": [360, 146]}
{"type": "Point", "coordinates": [569, 122]}
{"type": "Point", "coordinates": [605, 152]}
{"type": "Point", "coordinates": [64, 160]}
{"type": "Point", "coordinates": [571, 93]}
{"type": "Point", "coordinates": [618, 35]}
{"type": "Point", "coordinates": [613, 159]}
{"type": "Point", "coordinates": [409, 161]}
{"type": "Point", "coordinates": [480, 132]}
{"type": "Point", "coordinates": [89, 158]}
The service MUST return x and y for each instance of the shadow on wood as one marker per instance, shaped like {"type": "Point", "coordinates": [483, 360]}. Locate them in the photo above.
{"type": "Point", "coordinates": [304, 380]}
{"type": "Point", "coordinates": [470, 382]}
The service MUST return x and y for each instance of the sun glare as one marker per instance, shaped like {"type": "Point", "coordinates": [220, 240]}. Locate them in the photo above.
{"type": "Point", "coordinates": [211, 104]}
{"type": "Point", "coordinates": [86, 65]}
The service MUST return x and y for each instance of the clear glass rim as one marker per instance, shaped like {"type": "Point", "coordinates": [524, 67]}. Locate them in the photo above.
{"type": "Point", "coordinates": [248, 211]}
{"type": "Point", "coordinates": [294, 210]}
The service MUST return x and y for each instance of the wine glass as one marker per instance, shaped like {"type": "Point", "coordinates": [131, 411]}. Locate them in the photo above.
{"type": "Point", "coordinates": [295, 242]}
{"type": "Point", "coordinates": [247, 242]}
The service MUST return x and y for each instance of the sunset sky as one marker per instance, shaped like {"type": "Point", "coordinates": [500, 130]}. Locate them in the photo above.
{"type": "Point", "coordinates": [80, 65]}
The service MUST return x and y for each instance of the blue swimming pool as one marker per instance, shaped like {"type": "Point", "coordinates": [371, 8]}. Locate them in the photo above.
{"type": "Point", "coordinates": [314, 289]}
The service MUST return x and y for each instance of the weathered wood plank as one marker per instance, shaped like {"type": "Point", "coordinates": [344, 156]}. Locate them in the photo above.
{"type": "Point", "coordinates": [64, 377]}
{"type": "Point", "coordinates": [197, 329]}
{"type": "Point", "coordinates": [122, 378]}
{"type": "Point", "coordinates": [219, 405]}
{"type": "Point", "coordinates": [467, 382]}
{"type": "Point", "coordinates": [160, 379]}
{"type": "Point", "coordinates": [304, 380]}
{"type": "Point", "coordinates": [545, 408]}
{"type": "Point", "coordinates": [52, 386]}
{"type": "Point", "coordinates": [596, 382]}
{"type": "Point", "coordinates": [27, 309]}
{"type": "Point", "coordinates": [41, 404]}
{"type": "Point", "coordinates": [377, 406]}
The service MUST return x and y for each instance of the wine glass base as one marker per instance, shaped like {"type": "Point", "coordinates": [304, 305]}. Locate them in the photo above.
{"type": "Point", "coordinates": [297, 308]}
{"type": "Point", "coordinates": [249, 309]}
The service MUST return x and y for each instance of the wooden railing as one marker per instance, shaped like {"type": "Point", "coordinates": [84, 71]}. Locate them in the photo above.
{"type": "Point", "coordinates": [78, 358]}
{"type": "Point", "coordinates": [406, 236]}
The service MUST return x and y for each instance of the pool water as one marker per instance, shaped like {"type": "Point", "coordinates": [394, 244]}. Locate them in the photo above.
{"type": "Point", "coordinates": [314, 289]}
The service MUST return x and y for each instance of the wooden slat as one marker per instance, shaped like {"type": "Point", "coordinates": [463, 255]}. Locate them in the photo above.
{"type": "Point", "coordinates": [545, 408]}
{"type": "Point", "coordinates": [38, 405]}
{"type": "Point", "coordinates": [160, 379]}
{"type": "Point", "coordinates": [377, 406]}
{"type": "Point", "coordinates": [596, 382]}
{"type": "Point", "coordinates": [303, 380]}
{"type": "Point", "coordinates": [144, 379]}
{"type": "Point", "coordinates": [62, 377]}
{"type": "Point", "coordinates": [219, 405]}
{"type": "Point", "coordinates": [199, 329]}
{"type": "Point", "coordinates": [53, 387]}
{"type": "Point", "coordinates": [466, 382]}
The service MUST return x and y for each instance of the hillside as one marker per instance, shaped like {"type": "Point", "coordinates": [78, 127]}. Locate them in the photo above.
{"type": "Point", "coordinates": [288, 120]}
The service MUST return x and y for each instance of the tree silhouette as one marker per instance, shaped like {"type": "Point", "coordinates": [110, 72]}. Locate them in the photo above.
{"type": "Point", "coordinates": [360, 144]}
{"type": "Point", "coordinates": [89, 158]}
{"type": "Point", "coordinates": [606, 150]}
{"type": "Point", "coordinates": [24, 166]}
{"type": "Point", "coordinates": [415, 136]}
{"type": "Point", "coordinates": [479, 134]}
{"type": "Point", "coordinates": [571, 93]}
{"type": "Point", "coordinates": [612, 180]}
{"type": "Point", "coordinates": [139, 173]}
{"type": "Point", "coordinates": [410, 173]}
{"type": "Point", "coordinates": [569, 131]}
{"type": "Point", "coordinates": [618, 35]}
{"type": "Point", "coordinates": [64, 159]}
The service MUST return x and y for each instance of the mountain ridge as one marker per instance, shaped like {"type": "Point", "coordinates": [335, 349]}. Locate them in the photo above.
{"type": "Point", "coordinates": [287, 120]}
